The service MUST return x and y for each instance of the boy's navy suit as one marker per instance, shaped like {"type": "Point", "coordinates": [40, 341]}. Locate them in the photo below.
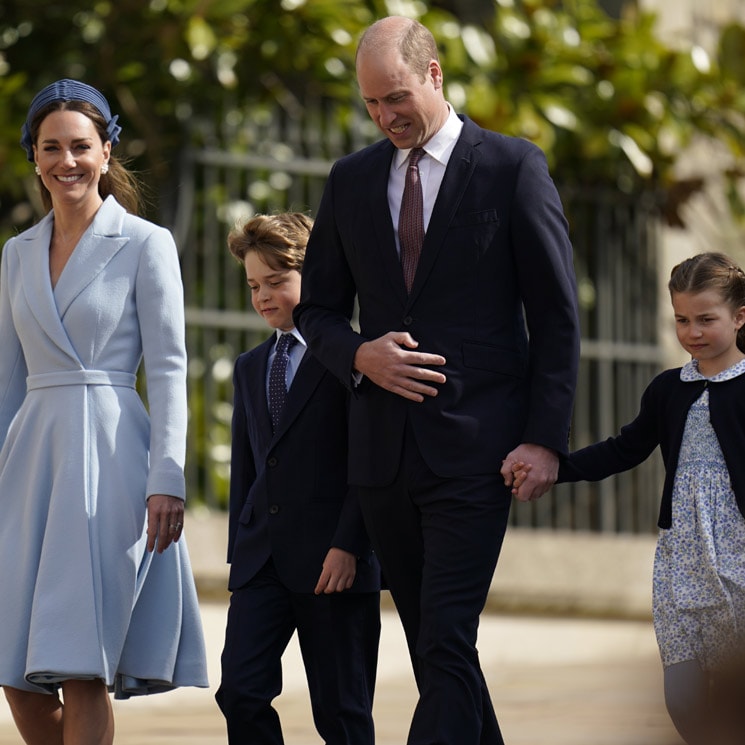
{"type": "Point", "coordinates": [289, 504]}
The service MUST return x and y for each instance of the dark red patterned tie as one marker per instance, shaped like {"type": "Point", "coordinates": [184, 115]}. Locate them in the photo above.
{"type": "Point", "coordinates": [411, 219]}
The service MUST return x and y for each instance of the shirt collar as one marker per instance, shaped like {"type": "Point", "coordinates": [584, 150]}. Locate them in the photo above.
{"type": "Point", "coordinates": [690, 372]}
{"type": "Point", "coordinates": [294, 332]}
{"type": "Point", "coordinates": [441, 144]}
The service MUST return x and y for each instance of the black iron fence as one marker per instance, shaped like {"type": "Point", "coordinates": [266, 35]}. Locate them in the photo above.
{"type": "Point", "coordinates": [284, 166]}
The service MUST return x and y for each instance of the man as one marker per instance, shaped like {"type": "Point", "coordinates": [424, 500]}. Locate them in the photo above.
{"type": "Point", "coordinates": [446, 382]}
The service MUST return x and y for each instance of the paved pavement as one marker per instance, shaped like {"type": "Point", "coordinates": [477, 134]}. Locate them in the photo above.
{"type": "Point", "coordinates": [574, 662]}
{"type": "Point", "coordinates": [554, 681]}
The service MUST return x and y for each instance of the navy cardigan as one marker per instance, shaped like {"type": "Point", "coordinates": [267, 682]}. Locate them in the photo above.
{"type": "Point", "coordinates": [661, 419]}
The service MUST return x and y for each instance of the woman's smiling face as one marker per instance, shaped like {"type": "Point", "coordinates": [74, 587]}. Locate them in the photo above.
{"type": "Point", "coordinates": [69, 153]}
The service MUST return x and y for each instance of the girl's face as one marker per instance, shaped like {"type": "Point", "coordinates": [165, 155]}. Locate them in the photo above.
{"type": "Point", "coordinates": [70, 154]}
{"type": "Point", "coordinates": [274, 292]}
{"type": "Point", "coordinates": [707, 329]}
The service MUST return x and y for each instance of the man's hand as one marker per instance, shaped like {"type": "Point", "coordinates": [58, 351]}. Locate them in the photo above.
{"type": "Point", "coordinates": [399, 370]}
{"type": "Point", "coordinates": [337, 575]}
{"type": "Point", "coordinates": [541, 467]}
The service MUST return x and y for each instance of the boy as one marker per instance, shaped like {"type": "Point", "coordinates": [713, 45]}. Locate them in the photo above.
{"type": "Point", "coordinates": [300, 557]}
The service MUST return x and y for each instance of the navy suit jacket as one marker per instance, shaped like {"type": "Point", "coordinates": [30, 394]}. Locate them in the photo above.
{"type": "Point", "coordinates": [289, 497]}
{"type": "Point", "coordinates": [496, 263]}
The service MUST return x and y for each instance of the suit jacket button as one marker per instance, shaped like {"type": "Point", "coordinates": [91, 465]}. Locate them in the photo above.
{"type": "Point", "coordinates": [408, 321]}
{"type": "Point", "coordinates": [274, 509]}
{"type": "Point", "coordinates": [271, 462]}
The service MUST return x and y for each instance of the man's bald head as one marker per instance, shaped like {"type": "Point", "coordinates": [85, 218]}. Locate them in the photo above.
{"type": "Point", "coordinates": [413, 41]}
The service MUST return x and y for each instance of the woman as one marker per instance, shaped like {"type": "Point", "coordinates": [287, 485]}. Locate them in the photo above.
{"type": "Point", "coordinates": [97, 589]}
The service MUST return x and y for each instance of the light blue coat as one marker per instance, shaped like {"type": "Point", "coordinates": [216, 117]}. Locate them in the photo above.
{"type": "Point", "coordinates": [79, 455]}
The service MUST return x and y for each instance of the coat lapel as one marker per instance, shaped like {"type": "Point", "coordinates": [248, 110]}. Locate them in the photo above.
{"type": "Point", "coordinates": [33, 257]}
{"type": "Point", "coordinates": [99, 244]}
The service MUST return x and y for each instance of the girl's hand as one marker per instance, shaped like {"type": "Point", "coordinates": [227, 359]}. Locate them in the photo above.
{"type": "Point", "coordinates": [519, 473]}
{"type": "Point", "coordinates": [540, 474]}
{"type": "Point", "coordinates": [514, 475]}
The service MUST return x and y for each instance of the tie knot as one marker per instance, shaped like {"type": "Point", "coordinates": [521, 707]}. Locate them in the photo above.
{"type": "Point", "coordinates": [285, 342]}
{"type": "Point", "coordinates": [415, 155]}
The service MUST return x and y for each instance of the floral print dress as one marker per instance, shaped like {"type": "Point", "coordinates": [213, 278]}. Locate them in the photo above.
{"type": "Point", "coordinates": [699, 569]}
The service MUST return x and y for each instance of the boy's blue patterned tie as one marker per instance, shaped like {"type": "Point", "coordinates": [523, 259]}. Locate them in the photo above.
{"type": "Point", "coordinates": [277, 377]}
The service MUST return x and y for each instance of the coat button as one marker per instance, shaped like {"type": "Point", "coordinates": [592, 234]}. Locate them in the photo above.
{"type": "Point", "coordinates": [408, 321]}
{"type": "Point", "coordinates": [273, 509]}
{"type": "Point", "coordinates": [271, 462]}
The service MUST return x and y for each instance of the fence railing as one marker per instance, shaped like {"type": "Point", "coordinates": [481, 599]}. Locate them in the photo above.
{"type": "Point", "coordinates": [615, 244]}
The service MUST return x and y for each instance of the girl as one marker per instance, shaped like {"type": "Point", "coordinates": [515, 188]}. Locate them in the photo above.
{"type": "Point", "coordinates": [696, 414]}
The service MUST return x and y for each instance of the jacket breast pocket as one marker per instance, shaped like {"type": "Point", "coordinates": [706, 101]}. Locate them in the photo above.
{"type": "Point", "coordinates": [471, 219]}
{"type": "Point", "coordinates": [473, 234]}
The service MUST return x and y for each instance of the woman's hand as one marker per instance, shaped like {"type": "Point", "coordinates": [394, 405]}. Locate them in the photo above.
{"type": "Point", "coordinates": [165, 521]}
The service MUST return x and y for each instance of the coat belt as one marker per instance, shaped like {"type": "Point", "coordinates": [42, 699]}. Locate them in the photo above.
{"type": "Point", "coordinates": [81, 377]}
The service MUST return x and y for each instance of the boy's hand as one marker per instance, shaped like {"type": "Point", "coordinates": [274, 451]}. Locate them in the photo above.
{"type": "Point", "coordinates": [339, 570]}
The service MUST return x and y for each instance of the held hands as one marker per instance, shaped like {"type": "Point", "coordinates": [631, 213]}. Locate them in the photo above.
{"type": "Point", "coordinates": [389, 365]}
{"type": "Point", "coordinates": [165, 521]}
{"type": "Point", "coordinates": [339, 570]}
{"type": "Point", "coordinates": [530, 470]}
{"type": "Point", "coordinates": [520, 472]}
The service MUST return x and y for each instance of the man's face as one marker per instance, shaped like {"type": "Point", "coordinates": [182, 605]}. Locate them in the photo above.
{"type": "Point", "coordinates": [406, 109]}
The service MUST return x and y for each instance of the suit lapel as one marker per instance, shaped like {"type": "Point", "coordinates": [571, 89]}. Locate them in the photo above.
{"type": "Point", "coordinates": [306, 380]}
{"type": "Point", "coordinates": [384, 238]}
{"type": "Point", "coordinates": [463, 161]}
{"type": "Point", "coordinates": [256, 375]}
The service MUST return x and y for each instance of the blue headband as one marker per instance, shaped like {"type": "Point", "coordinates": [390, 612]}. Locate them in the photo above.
{"type": "Point", "coordinates": [68, 90]}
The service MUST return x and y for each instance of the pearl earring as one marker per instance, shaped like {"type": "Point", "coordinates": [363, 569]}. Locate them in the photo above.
{"type": "Point", "coordinates": [104, 169]}
{"type": "Point", "coordinates": [37, 170]}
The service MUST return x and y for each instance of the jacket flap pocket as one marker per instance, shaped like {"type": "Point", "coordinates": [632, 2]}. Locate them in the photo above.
{"type": "Point", "coordinates": [495, 359]}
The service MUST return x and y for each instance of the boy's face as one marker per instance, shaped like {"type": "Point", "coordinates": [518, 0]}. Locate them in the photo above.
{"type": "Point", "coordinates": [274, 292]}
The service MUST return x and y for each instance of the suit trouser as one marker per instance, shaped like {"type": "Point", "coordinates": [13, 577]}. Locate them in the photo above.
{"type": "Point", "coordinates": [338, 636]}
{"type": "Point", "coordinates": [438, 541]}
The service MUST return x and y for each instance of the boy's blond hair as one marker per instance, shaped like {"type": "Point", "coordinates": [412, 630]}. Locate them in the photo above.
{"type": "Point", "coordinates": [279, 239]}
